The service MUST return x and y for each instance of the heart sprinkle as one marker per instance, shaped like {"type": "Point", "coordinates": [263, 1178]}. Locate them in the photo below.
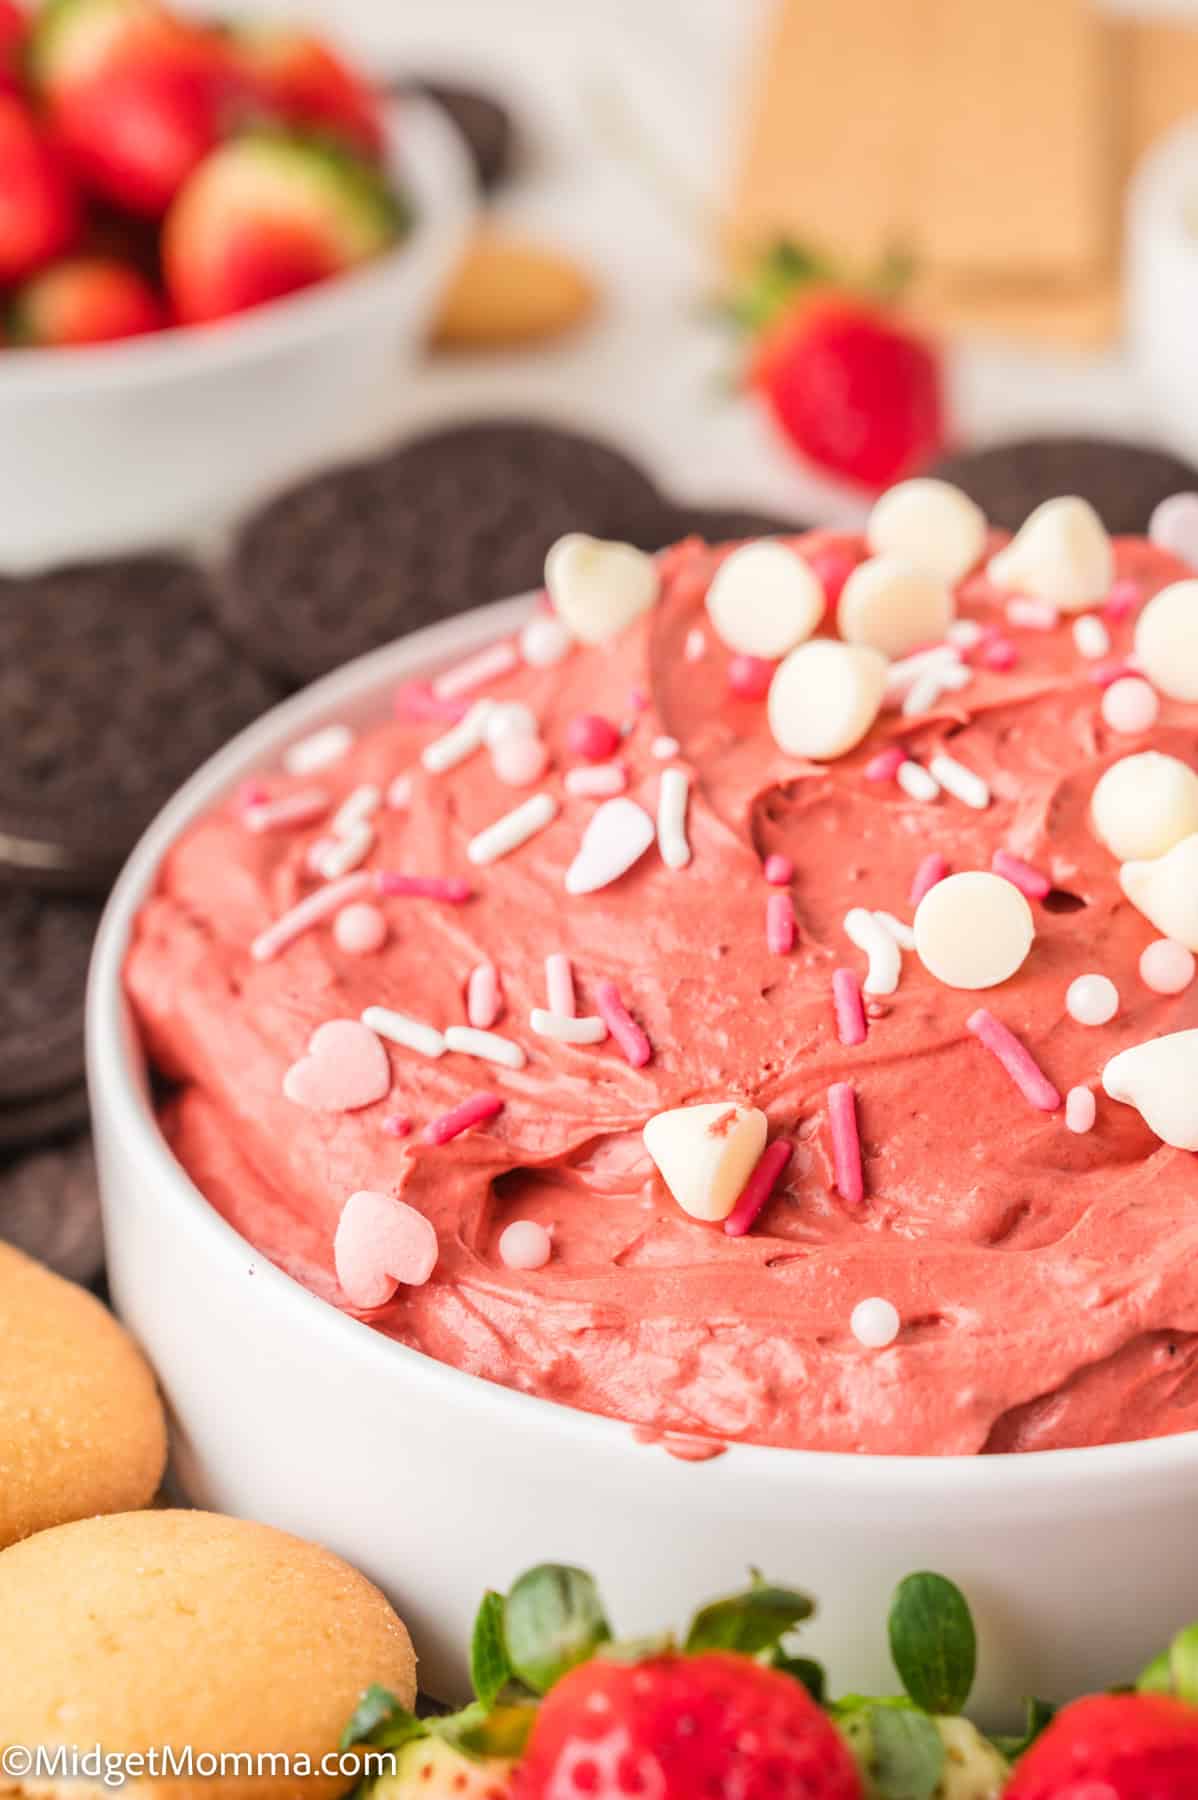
{"type": "Point", "coordinates": [345, 1068]}
{"type": "Point", "coordinates": [381, 1243]}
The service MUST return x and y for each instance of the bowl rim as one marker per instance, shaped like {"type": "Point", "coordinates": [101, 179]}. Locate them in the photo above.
{"type": "Point", "coordinates": [425, 160]}
{"type": "Point", "coordinates": [121, 1100]}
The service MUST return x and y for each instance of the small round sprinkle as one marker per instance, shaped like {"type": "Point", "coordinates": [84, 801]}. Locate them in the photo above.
{"type": "Point", "coordinates": [1130, 706]}
{"type": "Point", "coordinates": [875, 1323]}
{"type": "Point", "coordinates": [397, 1125]}
{"type": "Point", "coordinates": [1081, 1110]}
{"type": "Point", "coordinates": [525, 1245]}
{"type": "Point", "coordinates": [545, 641]}
{"type": "Point", "coordinates": [1124, 599]}
{"type": "Point", "coordinates": [1092, 1000]}
{"type": "Point", "coordinates": [592, 737]}
{"type": "Point", "coordinates": [779, 870]}
{"type": "Point", "coordinates": [519, 761]}
{"type": "Point", "coordinates": [749, 677]}
{"type": "Point", "coordinates": [511, 719]}
{"type": "Point", "coordinates": [664, 748]}
{"type": "Point", "coordinates": [1000, 655]}
{"type": "Point", "coordinates": [1166, 967]}
{"type": "Point", "coordinates": [360, 929]}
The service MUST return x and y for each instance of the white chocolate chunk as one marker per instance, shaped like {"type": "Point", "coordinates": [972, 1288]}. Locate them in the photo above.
{"type": "Point", "coordinates": [618, 834]}
{"type": "Point", "coordinates": [1165, 890]}
{"type": "Point", "coordinates": [893, 606]}
{"type": "Point", "coordinates": [931, 524]}
{"type": "Point", "coordinates": [764, 600]}
{"type": "Point", "coordinates": [598, 587]}
{"type": "Point", "coordinates": [1160, 1079]}
{"type": "Point", "coordinates": [824, 698]}
{"type": "Point", "coordinates": [705, 1154]}
{"type": "Point", "coordinates": [1062, 555]}
{"type": "Point", "coordinates": [1144, 804]}
{"type": "Point", "coordinates": [1166, 641]}
{"type": "Point", "coordinates": [973, 930]}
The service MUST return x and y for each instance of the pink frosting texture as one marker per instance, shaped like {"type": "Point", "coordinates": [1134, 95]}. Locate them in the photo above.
{"type": "Point", "coordinates": [1047, 1282]}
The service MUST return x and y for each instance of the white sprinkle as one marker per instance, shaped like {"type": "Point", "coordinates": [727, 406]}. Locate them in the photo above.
{"type": "Point", "coordinates": [513, 829]}
{"type": "Point", "coordinates": [902, 933]}
{"type": "Point", "coordinates": [915, 781]}
{"type": "Point", "coordinates": [964, 634]}
{"type": "Point", "coordinates": [460, 741]}
{"type": "Point", "coordinates": [1081, 1109]}
{"type": "Point", "coordinates": [597, 780]}
{"type": "Point", "coordinates": [291, 809]}
{"type": "Point", "coordinates": [960, 782]}
{"type": "Point", "coordinates": [1092, 1000]}
{"type": "Point", "coordinates": [1032, 615]}
{"type": "Point", "coordinates": [901, 676]}
{"type": "Point", "coordinates": [545, 641]}
{"type": "Point", "coordinates": [316, 853]}
{"type": "Point", "coordinates": [672, 795]}
{"type": "Point", "coordinates": [345, 853]}
{"type": "Point", "coordinates": [487, 665]}
{"type": "Point", "coordinates": [1091, 638]}
{"type": "Point", "coordinates": [930, 687]}
{"type": "Point", "coordinates": [880, 946]}
{"type": "Point", "coordinates": [319, 751]}
{"type": "Point", "coordinates": [489, 1046]}
{"type": "Point", "coordinates": [510, 719]}
{"type": "Point", "coordinates": [695, 647]}
{"type": "Point", "coordinates": [399, 794]}
{"type": "Point", "coordinates": [617, 835]}
{"type": "Point", "coordinates": [413, 1034]}
{"type": "Point", "coordinates": [559, 984]}
{"type": "Point", "coordinates": [590, 1030]}
{"type": "Point", "coordinates": [356, 809]}
{"type": "Point", "coordinates": [875, 1323]}
{"type": "Point", "coordinates": [665, 747]}
{"type": "Point", "coordinates": [482, 996]}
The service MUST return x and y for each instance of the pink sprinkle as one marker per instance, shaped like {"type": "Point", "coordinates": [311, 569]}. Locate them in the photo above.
{"type": "Point", "coordinates": [850, 1011]}
{"type": "Point", "coordinates": [1016, 1059]}
{"type": "Point", "coordinates": [417, 701]}
{"type": "Point", "coordinates": [1123, 600]}
{"type": "Point", "coordinates": [293, 809]}
{"type": "Point", "coordinates": [749, 677]}
{"type": "Point", "coordinates": [932, 869]}
{"type": "Point", "coordinates": [1020, 874]}
{"type": "Point", "coordinates": [638, 700]}
{"type": "Point", "coordinates": [758, 1188]}
{"type": "Point", "coordinates": [999, 654]}
{"type": "Point", "coordinates": [360, 929]}
{"type": "Point", "coordinates": [251, 793]}
{"type": "Point", "coordinates": [475, 1111]}
{"type": "Point", "coordinates": [778, 870]}
{"type": "Point", "coordinates": [397, 1125]}
{"type": "Point", "coordinates": [464, 677]}
{"type": "Point", "coordinates": [592, 737]}
{"type": "Point", "coordinates": [559, 984]}
{"type": "Point", "coordinates": [846, 1143]}
{"type": "Point", "coordinates": [623, 1027]}
{"type": "Point", "coordinates": [525, 1245]}
{"type": "Point", "coordinates": [1103, 674]}
{"type": "Point", "coordinates": [483, 1001]}
{"type": "Point", "coordinates": [391, 885]}
{"type": "Point", "coordinates": [886, 764]}
{"type": "Point", "coordinates": [318, 906]}
{"type": "Point", "coordinates": [781, 929]}
{"type": "Point", "coordinates": [597, 780]}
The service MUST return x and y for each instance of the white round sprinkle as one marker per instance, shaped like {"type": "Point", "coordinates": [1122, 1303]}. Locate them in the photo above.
{"type": "Point", "coordinates": [695, 648]}
{"type": "Point", "coordinates": [545, 641]}
{"type": "Point", "coordinates": [1160, 1079]}
{"type": "Point", "coordinates": [1144, 804]}
{"type": "Point", "coordinates": [1062, 555]}
{"type": "Point", "coordinates": [1165, 890]}
{"type": "Point", "coordinates": [893, 606]}
{"type": "Point", "coordinates": [509, 719]}
{"type": "Point", "coordinates": [706, 1153]}
{"type": "Point", "coordinates": [1092, 1000]}
{"type": "Point", "coordinates": [512, 830]}
{"type": "Point", "coordinates": [824, 698]}
{"type": "Point", "coordinates": [1081, 1110]}
{"type": "Point", "coordinates": [319, 751]}
{"type": "Point", "coordinates": [665, 747]}
{"type": "Point", "coordinates": [488, 1046]}
{"type": "Point", "coordinates": [1091, 638]}
{"type": "Point", "coordinates": [1166, 641]}
{"type": "Point", "coordinates": [1166, 967]}
{"type": "Point", "coordinates": [589, 1030]}
{"type": "Point", "coordinates": [915, 781]}
{"type": "Point", "coordinates": [962, 783]}
{"type": "Point", "coordinates": [973, 930]}
{"type": "Point", "coordinates": [965, 634]}
{"type": "Point", "coordinates": [618, 835]}
{"type": "Point", "coordinates": [880, 946]}
{"type": "Point", "coordinates": [524, 1244]}
{"type": "Point", "coordinates": [764, 600]}
{"type": "Point", "coordinates": [599, 588]}
{"type": "Point", "coordinates": [875, 1323]}
{"type": "Point", "coordinates": [931, 524]}
{"type": "Point", "coordinates": [672, 795]}
{"type": "Point", "coordinates": [1130, 706]}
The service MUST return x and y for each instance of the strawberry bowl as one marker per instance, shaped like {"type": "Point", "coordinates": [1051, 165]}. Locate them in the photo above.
{"type": "Point", "coordinates": [164, 439]}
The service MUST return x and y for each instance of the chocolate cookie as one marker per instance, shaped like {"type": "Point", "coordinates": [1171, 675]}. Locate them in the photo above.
{"type": "Point", "coordinates": [50, 1209]}
{"type": "Point", "coordinates": [356, 558]}
{"type": "Point", "coordinates": [483, 121]}
{"type": "Point", "coordinates": [714, 524]}
{"type": "Point", "coordinates": [1123, 482]}
{"type": "Point", "coordinates": [115, 683]}
{"type": "Point", "coordinates": [45, 946]}
{"type": "Point", "coordinates": [46, 1119]}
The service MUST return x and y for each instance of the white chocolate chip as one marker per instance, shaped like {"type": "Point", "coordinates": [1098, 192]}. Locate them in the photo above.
{"type": "Point", "coordinates": [824, 698]}
{"type": "Point", "coordinates": [705, 1154]}
{"type": "Point", "coordinates": [1061, 555]}
{"type": "Point", "coordinates": [1166, 641]}
{"type": "Point", "coordinates": [931, 525]}
{"type": "Point", "coordinates": [1144, 804]}
{"type": "Point", "coordinates": [597, 588]}
{"type": "Point", "coordinates": [1165, 890]}
{"type": "Point", "coordinates": [764, 600]}
{"type": "Point", "coordinates": [893, 606]}
{"type": "Point", "coordinates": [1160, 1079]}
{"type": "Point", "coordinates": [973, 930]}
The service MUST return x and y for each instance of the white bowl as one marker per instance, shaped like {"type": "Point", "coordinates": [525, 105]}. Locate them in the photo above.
{"type": "Point", "coordinates": [1079, 1563]}
{"type": "Point", "coordinates": [161, 439]}
{"type": "Point", "coordinates": [1162, 282]}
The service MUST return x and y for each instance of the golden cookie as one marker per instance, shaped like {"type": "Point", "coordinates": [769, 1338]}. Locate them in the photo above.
{"type": "Point", "coordinates": [508, 292]}
{"type": "Point", "coordinates": [148, 1629]}
{"type": "Point", "coordinates": [81, 1424]}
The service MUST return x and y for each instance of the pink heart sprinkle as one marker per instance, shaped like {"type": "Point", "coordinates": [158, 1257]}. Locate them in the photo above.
{"type": "Point", "coordinates": [346, 1067]}
{"type": "Point", "coordinates": [380, 1243]}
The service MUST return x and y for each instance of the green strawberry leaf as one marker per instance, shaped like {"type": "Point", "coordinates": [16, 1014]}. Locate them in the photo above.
{"type": "Point", "coordinates": [635, 1650]}
{"type": "Point", "coordinates": [479, 1730]}
{"type": "Point", "coordinates": [803, 1669]}
{"type": "Point", "coordinates": [490, 1665]}
{"type": "Point", "coordinates": [933, 1642]}
{"type": "Point", "coordinates": [1039, 1714]}
{"type": "Point", "coordinates": [1175, 1671]}
{"type": "Point", "coordinates": [553, 1620]}
{"type": "Point", "coordinates": [751, 1622]}
{"type": "Point", "coordinates": [381, 1721]}
{"type": "Point", "coordinates": [908, 1753]}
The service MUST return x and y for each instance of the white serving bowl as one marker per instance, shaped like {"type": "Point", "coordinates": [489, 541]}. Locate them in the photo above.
{"type": "Point", "coordinates": [1079, 1563]}
{"type": "Point", "coordinates": [161, 439]}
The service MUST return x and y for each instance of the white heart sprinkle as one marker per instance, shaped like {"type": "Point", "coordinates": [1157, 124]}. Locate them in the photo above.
{"type": "Point", "coordinates": [618, 834]}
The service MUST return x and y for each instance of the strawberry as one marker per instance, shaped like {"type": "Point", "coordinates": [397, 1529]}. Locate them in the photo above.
{"type": "Point", "coordinates": [680, 1726]}
{"type": "Point", "coordinates": [13, 29]}
{"type": "Point", "coordinates": [39, 208]}
{"type": "Point", "coordinates": [1113, 1747]}
{"type": "Point", "coordinates": [298, 80]}
{"type": "Point", "coordinates": [266, 215]}
{"type": "Point", "coordinates": [85, 300]}
{"type": "Point", "coordinates": [429, 1769]}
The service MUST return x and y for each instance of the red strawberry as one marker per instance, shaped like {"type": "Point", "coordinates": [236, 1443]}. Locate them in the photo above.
{"type": "Point", "coordinates": [13, 29]}
{"type": "Point", "coordinates": [268, 214]}
{"type": "Point", "coordinates": [677, 1727]}
{"type": "Point", "coordinates": [300, 81]}
{"type": "Point", "coordinates": [39, 209]}
{"type": "Point", "coordinates": [86, 300]}
{"type": "Point", "coordinates": [1113, 1747]}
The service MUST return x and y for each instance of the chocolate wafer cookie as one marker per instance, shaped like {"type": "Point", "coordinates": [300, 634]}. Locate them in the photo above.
{"type": "Point", "coordinates": [115, 683]}
{"type": "Point", "coordinates": [484, 122]}
{"type": "Point", "coordinates": [1123, 482]}
{"type": "Point", "coordinates": [714, 524]}
{"type": "Point", "coordinates": [45, 1119]}
{"type": "Point", "coordinates": [358, 557]}
{"type": "Point", "coordinates": [45, 946]}
{"type": "Point", "coordinates": [50, 1208]}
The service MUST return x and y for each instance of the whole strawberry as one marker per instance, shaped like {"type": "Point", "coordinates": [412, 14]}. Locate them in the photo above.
{"type": "Point", "coordinates": [13, 28]}
{"type": "Point", "coordinates": [297, 79]}
{"type": "Point", "coordinates": [1113, 1747]}
{"type": "Point", "coordinates": [39, 209]}
{"type": "Point", "coordinates": [677, 1727]}
{"type": "Point", "coordinates": [84, 300]}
